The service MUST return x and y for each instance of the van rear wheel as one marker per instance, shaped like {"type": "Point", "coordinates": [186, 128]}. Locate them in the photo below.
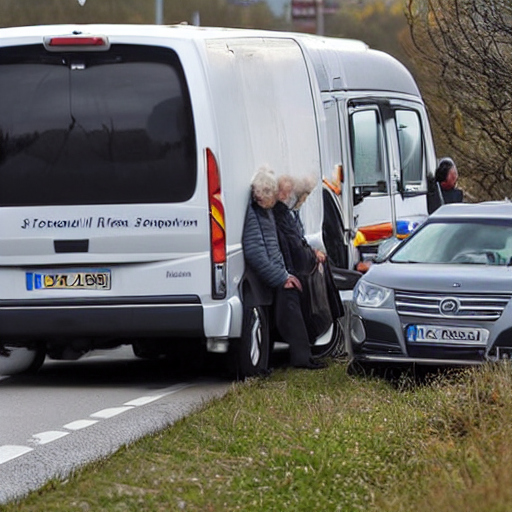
{"type": "Point", "coordinates": [254, 345]}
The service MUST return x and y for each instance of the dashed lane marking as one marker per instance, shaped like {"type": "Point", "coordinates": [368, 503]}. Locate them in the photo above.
{"type": "Point", "coordinates": [110, 413]}
{"type": "Point", "coordinates": [9, 452]}
{"type": "Point", "coordinates": [80, 424]}
{"type": "Point", "coordinates": [144, 400]}
{"type": "Point", "coordinates": [47, 437]}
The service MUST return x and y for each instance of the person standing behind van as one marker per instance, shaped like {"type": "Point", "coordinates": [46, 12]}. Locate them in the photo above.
{"type": "Point", "coordinates": [263, 256]}
{"type": "Point", "coordinates": [445, 190]}
{"type": "Point", "coordinates": [447, 176]}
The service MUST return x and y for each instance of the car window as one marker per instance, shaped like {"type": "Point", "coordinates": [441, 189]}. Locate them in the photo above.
{"type": "Point", "coordinates": [480, 243]}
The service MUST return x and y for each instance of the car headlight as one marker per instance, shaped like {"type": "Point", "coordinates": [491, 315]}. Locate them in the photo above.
{"type": "Point", "coordinates": [370, 295]}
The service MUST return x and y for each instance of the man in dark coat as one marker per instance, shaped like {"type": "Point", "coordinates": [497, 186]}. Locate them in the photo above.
{"type": "Point", "coordinates": [302, 260]}
{"type": "Point", "coordinates": [263, 255]}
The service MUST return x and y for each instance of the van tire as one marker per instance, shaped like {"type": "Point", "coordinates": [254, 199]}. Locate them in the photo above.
{"type": "Point", "coordinates": [254, 345]}
{"type": "Point", "coordinates": [142, 351]}
{"type": "Point", "coordinates": [40, 356]}
{"type": "Point", "coordinates": [37, 356]}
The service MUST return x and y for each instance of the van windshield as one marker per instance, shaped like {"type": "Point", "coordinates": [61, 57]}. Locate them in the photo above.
{"type": "Point", "coordinates": [111, 127]}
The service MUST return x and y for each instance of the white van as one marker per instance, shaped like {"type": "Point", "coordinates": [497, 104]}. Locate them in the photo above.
{"type": "Point", "coordinates": [125, 161]}
{"type": "Point", "coordinates": [126, 154]}
{"type": "Point", "coordinates": [377, 147]}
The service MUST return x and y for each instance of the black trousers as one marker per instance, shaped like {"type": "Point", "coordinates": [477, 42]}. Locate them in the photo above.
{"type": "Point", "coordinates": [290, 324]}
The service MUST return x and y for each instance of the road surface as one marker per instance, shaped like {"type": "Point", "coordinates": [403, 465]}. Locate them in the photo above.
{"type": "Point", "coordinates": [72, 413]}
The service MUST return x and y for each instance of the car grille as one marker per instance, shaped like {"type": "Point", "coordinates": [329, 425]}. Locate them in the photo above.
{"type": "Point", "coordinates": [469, 306]}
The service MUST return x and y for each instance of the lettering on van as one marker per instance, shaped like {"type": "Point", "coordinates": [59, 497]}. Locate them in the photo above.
{"type": "Point", "coordinates": [165, 223]}
{"type": "Point", "coordinates": [108, 223]}
{"type": "Point", "coordinates": [83, 222]}
{"type": "Point", "coordinates": [172, 274]}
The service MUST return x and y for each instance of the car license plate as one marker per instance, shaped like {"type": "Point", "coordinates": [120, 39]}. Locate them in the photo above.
{"type": "Point", "coordinates": [97, 279]}
{"type": "Point", "coordinates": [446, 334]}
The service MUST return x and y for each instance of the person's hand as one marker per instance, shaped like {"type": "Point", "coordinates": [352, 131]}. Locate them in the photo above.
{"type": "Point", "coordinates": [293, 282]}
{"type": "Point", "coordinates": [363, 266]}
{"type": "Point", "coordinates": [320, 256]}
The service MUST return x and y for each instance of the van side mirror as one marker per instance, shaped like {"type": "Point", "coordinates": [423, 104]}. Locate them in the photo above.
{"type": "Point", "coordinates": [359, 194]}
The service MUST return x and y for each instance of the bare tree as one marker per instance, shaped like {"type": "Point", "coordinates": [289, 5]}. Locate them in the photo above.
{"type": "Point", "coordinates": [464, 65]}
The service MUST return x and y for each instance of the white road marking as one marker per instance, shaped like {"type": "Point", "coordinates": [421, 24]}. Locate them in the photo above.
{"type": "Point", "coordinates": [111, 412]}
{"type": "Point", "coordinates": [143, 400]}
{"type": "Point", "coordinates": [47, 437]}
{"type": "Point", "coordinates": [79, 424]}
{"type": "Point", "coordinates": [9, 452]}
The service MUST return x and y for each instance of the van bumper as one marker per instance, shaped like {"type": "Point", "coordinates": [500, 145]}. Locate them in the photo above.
{"type": "Point", "coordinates": [119, 317]}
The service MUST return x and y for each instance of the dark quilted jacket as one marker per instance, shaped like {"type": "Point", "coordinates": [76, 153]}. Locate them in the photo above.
{"type": "Point", "coordinates": [261, 246]}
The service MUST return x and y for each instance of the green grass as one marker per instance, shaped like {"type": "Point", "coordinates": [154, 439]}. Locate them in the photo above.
{"type": "Point", "coordinates": [315, 441]}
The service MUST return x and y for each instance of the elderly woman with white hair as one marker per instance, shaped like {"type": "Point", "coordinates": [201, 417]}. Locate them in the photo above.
{"type": "Point", "coordinates": [263, 257]}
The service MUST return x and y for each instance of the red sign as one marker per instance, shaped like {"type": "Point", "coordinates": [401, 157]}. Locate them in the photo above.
{"type": "Point", "coordinates": [304, 9]}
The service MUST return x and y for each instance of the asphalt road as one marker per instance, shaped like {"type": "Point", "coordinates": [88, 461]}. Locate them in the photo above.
{"type": "Point", "coordinates": [72, 413]}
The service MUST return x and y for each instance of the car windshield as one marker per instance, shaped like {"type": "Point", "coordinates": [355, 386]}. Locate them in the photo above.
{"type": "Point", "coordinates": [468, 242]}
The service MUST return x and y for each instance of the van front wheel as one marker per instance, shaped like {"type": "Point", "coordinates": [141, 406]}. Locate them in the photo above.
{"type": "Point", "coordinates": [253, 346]}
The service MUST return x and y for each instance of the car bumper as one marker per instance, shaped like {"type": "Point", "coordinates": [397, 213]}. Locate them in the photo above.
{"type": "Point", "coordinates": [405, 360]}
{"type": "Point", "coordinates": [380, 340]}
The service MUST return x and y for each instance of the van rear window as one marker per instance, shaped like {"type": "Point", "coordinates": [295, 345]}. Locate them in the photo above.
{"type": "Point", "coordinates": [112, 127]}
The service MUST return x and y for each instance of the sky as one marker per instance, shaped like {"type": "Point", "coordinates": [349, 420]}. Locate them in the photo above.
{"type": "Point", "coordinates": [278, 6]}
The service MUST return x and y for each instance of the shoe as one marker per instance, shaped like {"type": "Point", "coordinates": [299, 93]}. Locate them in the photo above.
{"type": "Point", "coordinates": [312, 365]}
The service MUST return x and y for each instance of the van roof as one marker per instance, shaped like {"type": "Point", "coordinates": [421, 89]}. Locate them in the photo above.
{"type": "Point", "coordinates": [342, 64]}
{"type": "Point", "coordinates": [339, 64]}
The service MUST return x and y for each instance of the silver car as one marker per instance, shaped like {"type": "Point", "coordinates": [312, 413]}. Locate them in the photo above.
{"type": "Point", "coordinates": [442, 297]}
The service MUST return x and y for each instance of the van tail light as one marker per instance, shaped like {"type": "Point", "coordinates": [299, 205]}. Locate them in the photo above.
{"type": "Point", "coordinates": [217, 228]}
{"type": "Point", "coordinates": [76, 42]}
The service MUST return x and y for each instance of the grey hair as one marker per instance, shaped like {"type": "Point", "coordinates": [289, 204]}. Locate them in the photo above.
{"type": "Point", "coordinates": [305, 185]}
{"type": "Point", "coordinates": [264, 183]}
{"type": "Point", "coordinates": [286, 179]}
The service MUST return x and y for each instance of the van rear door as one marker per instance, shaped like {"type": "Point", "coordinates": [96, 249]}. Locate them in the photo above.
{"type": "Point", "coordinates": [97, 146]}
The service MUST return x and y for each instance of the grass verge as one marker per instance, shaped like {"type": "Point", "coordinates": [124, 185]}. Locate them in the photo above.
{"type": "Point", "coordinates": [315, 441]}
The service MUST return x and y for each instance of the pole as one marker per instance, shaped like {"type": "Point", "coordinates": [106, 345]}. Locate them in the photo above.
{"type": "Point", "coordinates": [196, 19]}
{"type": "Point", "coordinates": [320, 17]}
{"type": "Point", "coordinates": [159, 12]}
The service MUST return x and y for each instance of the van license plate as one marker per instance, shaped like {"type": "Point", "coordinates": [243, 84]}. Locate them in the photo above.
{"type": "Point", "coordinates": [444, 334]}
{"type": "Point", "coordinates": [69, 280]}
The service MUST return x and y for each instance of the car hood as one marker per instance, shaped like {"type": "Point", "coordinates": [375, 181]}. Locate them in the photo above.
{"type": "Point", "coordinates": [441, 278]}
